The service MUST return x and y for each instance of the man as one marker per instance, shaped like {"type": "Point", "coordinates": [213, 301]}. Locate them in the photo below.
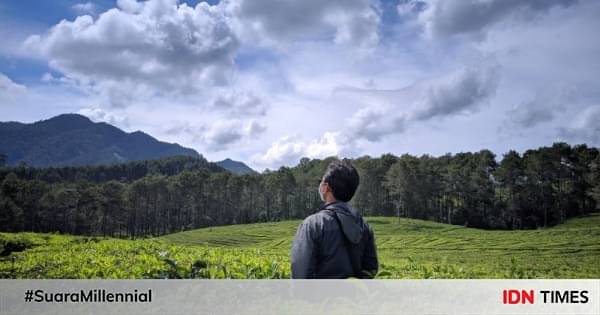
{"type": "Point", "coordinates": [335, 242]}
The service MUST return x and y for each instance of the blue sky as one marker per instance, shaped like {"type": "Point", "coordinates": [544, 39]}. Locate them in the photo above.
{"type": "Point", "coordinates": [268, 82]}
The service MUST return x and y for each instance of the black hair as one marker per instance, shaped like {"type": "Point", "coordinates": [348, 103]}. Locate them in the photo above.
{"type": "Point", "coordinates": [343, 179]}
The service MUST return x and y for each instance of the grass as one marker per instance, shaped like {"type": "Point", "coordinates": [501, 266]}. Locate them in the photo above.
{"type": "Point", "coordinates": [407, 249]}
{"type": "Point", "coordinates": [410, 248]}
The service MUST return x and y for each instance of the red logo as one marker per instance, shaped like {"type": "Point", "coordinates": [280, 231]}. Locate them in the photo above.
{"type": "Point", "coordinates": [512, 296]}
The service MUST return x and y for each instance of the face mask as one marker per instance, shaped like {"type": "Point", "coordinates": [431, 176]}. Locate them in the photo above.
{"type": "Point", "coordinates": [321, 194]}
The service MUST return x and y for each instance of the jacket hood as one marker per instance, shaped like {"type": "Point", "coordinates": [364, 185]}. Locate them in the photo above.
{"type": "Point", "coordinates": [352, 222]}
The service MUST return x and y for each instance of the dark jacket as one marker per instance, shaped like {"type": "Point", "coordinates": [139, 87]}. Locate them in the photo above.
{"type": "Point", "coordinates": [319, 250]}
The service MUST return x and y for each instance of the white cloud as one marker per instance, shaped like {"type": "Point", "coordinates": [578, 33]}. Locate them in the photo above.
{"type": "Point", "coordinates": [474, 17]}
{"type": "Point", "coordinates": [217, 135]}
{"type": "Point", "coordinates": [414, 93]}
{"type": "Point", "coordinates": [238, 103]}
{"type": "Point", "coordinates": [383, 113]}
{"type": "Point", "coordinates": [129, 6]}
{"type": "Point", "coordinates": [374, 122]}
{"type": "Point", "coordinates": [325, 146]}
{"type": "Point", "coordinates": [220, 134]}
{"type": "Point", "coordinates": [387, 112]}
{"type": "Point", "coordinates": [460, 92]}
{"type": "Point", "coordinates": [585, 128]}
{"type": "Point", "coordinates": [288, 150]}
{"type": "Point", "coordinates": [254, 128]}
{"type": "Point", "coordinates": [544, 107]}
{"type": "Point", "coordinates": [142, 50]}
{"type": "Point", "coordinates": [99, 115]}
{"type": "Point", "coordinates": [84, 8]}
{"type": "Point", "coordinates": [352, 22]}
{"type": "Point", "coordinates": [407, 8]}
{"type": "Point", "coordinates": [9, 90]}
{"type": "Point", "coordinates": [48, 77]}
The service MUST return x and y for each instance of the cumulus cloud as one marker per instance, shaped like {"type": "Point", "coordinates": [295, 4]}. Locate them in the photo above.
{"type": "Point", "coordinates": [48, 78]}
{"type": "Point", "coordinates": [351, 22]}
{"type": "Point", "coordinates": [460, 92]}
{"type": "Point", "coordinates": [219, 134]}
{"type": "Point", "coordinates": [387, 112]}
{"type": "Point", "coordinates": [285, 150]}
{"type": "Point", "coordinates": [84, 8]}
{"type": "Point", "coordinates": [407, 8]}
{"type": "Point", "coordinates": [100, 115]}
{"type": "Point", "coordinates": [222, 133]}
{"type": "Point", "coordinates": [585, 128]}
{"type": "Point", "coordinates": [275, 61]}
{"type": "Point", "coordinates": [156, 47]}
{"type": "Point", "coordinates": [254, 128]}
{"type": "Point", "coordinates": [373, 123]}
{"type": "Point", "coordinates": [130, 6]}
{"type": "Point", "coordinates": [239, 103]}
{"type": "Point", "coordinates": [544, 107]}
{"type": "Point", "coordinates": [288, 150]}
{"type": "Point", "coordinates": [9, 90]}
{"type": "Point", "coordinates": [474, 17]}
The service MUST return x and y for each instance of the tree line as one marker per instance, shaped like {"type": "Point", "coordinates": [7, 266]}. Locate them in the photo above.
{"type": "Point", "coordinates": [541, 187]}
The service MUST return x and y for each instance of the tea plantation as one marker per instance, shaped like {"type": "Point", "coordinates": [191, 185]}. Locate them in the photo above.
{"type": "Point", "coordinates": [407, 249]}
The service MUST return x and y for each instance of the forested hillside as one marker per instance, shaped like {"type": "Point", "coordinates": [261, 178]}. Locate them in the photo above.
{"type": "Point", "coordinates": [235, 167]}
{"type": "Point", "coordinates": [73, 139]}
{"type": "Point", "coordinates": [541, 187]}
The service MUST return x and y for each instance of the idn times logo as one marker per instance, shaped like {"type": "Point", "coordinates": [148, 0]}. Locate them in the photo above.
{"type": "Point", "coordinates": [514, 296]}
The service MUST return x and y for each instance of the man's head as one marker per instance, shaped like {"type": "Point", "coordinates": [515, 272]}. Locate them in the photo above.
{"type": "Point", "coordinates": [339, 182]}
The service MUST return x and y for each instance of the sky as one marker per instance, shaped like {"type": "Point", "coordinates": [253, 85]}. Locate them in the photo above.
{"type": "Point", "coordinates": [268, 82]}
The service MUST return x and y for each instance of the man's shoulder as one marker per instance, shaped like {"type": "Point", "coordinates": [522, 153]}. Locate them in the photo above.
{"type": "Point", "coordinates": [319, 219]}
{"type": "Point", "coordinates": [314, 218]}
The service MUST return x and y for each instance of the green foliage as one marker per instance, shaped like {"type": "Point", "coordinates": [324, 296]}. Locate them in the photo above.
{"type": "Point", "coordinates": [91, 258]}
{"type": "Point", "coordinates": [406, 248]}
{"type": "Point", "coordinates": [540, 188]}
{"type": "Point", "coordinates": [518, 272]}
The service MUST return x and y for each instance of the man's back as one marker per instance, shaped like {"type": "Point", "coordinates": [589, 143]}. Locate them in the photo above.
{"type": "Point", "coordinates": [320, 250]}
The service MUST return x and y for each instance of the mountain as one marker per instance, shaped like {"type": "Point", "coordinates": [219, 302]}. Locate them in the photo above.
{"type": "Point", "coordinates": [74, 140]}
{"type": "Point", "coordinates": [236, 167]}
